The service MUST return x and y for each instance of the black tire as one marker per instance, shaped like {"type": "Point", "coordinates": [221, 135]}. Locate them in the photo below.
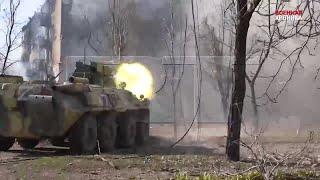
{"type": "Point", "coordinates": [6, 143]}
{"type": "Point", "coordinates": [107, 131]}
{"type": "Point", "coordinates": [127, 130]}
{"type": "Point", "coordinates": [28, 143]}
{"type": "Point", "coordinates": [142, 133]}
{"type": "Point", "coordinates": [143, 127]}
{"type": "Point", "coordinates": [83, 136]}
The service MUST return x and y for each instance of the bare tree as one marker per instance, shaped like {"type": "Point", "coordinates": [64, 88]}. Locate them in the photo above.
{"type": "Point", "coordinates": [239, 91]}
{"type": "Point", "coordinates": [277, 33]}
{"type": "Point", "coordinates": [173, 43]}
{"type": "Point", "coordinates": [220, 46]}
{"type": "Point", "coordinates": [108, 33]}
{"type": "Point", "coordinates": [11, 33]}
{"type": "Point", "coordinates": [119, 26]}
{"type": "Point", "coordinates": [171, 51]}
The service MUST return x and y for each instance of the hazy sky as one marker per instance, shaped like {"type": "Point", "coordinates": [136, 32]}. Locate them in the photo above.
{"type": "Point", "coordinates": [26, 10]}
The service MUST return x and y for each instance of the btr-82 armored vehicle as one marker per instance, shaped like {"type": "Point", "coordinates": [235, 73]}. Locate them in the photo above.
{"type": "Point", "coordinates": [86, 113]}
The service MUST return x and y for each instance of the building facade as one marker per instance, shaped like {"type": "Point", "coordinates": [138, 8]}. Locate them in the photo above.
{"type": "Point", "coordinates": [65, 28]}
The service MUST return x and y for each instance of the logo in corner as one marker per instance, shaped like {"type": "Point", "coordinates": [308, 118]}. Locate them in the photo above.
{"type": "Point", "coordinates": [289, 14]}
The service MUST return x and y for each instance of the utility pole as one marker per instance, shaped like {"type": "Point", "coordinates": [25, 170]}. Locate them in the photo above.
{"type": "Point", "coordinates": [56, 45]}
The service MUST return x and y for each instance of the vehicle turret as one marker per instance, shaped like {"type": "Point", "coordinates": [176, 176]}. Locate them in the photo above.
{"type": "Point", "coordinates": [97, 73]}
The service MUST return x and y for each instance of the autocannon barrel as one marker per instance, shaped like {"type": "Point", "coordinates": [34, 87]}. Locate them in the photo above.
{"type": "Point", "coordinates": [73, 79]}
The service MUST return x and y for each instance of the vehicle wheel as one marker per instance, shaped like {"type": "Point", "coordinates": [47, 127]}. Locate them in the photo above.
{"type": "Point", "coordinates": [6, 143]}
{"type": "Point", "coordinates": [107, 131]}
{"type": "Point", "coordinates": [142, 133]}
{"type": "Point", "coordinates": [143, 127]}
{"type": "Point", "coordinates": [83, 136]}
{"type": "Point", "coordinates": [127, 130]}
{"type": "Point", "coordinates": [28, 143]}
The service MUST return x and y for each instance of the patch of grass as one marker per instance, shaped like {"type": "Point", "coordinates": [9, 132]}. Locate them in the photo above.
{"type": "Point", "coordinates": [58, 163]}
{"type": "Point", "coordinates": [254, 175]}
{"type": "Point", "coordinates": [22, 173]}
{"type": "Point", "coordinates": [182, 176]}
{"type": "Point", "coordinates": [36, 167]}
{"type": "Point", "coordinates": [205, 176]}
{"type": "Point", "coordinates": [302, 174]}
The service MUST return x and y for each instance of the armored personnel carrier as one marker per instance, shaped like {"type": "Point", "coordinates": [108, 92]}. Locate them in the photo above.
{"type": "Point", "coordinates": [87, 113]}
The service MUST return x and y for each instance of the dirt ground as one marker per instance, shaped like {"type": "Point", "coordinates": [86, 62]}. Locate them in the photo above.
{"type": "Point", "coordinates": [156, 160]}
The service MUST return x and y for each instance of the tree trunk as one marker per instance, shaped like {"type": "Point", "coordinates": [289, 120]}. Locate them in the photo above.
{"type": "Point", "coordinates": [223, 89]}
{"type": "Point", "coordinates": [239, 91]}
{"type": "Point", "coordinates": [256, 120]}
{"type": "Point", "coordinates": [175, 129]}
